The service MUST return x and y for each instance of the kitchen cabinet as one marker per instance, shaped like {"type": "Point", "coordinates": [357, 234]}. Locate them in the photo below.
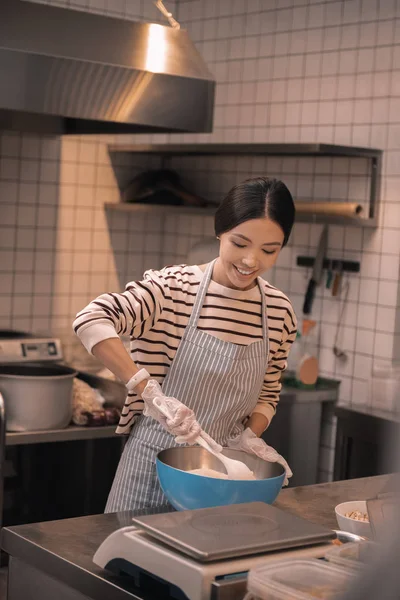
{"type": "Point", "coordinates": [296, 429]}
{"type": "Point", "coordinates": [58, 474]}
{"type": "Point", "coordinates": [366, 442]}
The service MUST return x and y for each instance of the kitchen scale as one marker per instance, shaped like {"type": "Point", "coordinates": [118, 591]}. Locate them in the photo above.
{"type": "Point", "coordinates": [204, 553]}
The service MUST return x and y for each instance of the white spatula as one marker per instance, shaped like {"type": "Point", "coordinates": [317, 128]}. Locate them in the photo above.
{"type": "Point", "coordinates": [234, 468]}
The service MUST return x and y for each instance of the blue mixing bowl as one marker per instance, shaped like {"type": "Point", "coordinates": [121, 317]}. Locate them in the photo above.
{"type": "Point", "coordinates": [186, 491]}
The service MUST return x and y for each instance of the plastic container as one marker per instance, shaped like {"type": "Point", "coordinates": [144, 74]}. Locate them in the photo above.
{"type": "Point", "coordinates": [299, 580]}
{"type": "Point", "coordinates": [352, 556]}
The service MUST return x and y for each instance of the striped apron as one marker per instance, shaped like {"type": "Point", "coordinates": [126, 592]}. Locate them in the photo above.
{"type": "Point", "coordinates": [220, 381]}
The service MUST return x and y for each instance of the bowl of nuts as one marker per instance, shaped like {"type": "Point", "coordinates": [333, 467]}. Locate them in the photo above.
{"type": "Point", "coordinates": [353, 517]}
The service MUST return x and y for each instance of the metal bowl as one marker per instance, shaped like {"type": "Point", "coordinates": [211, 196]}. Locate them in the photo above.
{"type": "Point", "coordinates": [187, 491]}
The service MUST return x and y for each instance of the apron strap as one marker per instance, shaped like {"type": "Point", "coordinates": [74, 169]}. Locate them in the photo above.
{"type": "Point", "coordinates": [264, 316]}
{"type": "Point", "coordinates": [201, 294]}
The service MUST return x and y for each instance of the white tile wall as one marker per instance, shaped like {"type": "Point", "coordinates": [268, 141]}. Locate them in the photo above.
{"type": "Point", "coordinates": [320, 71]}
{"type": "Point", "coordinates": [317, 72]}
{"type": "Point", "coordinates": [287, 70]}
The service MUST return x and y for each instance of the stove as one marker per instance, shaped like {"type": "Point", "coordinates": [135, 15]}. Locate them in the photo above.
{"type": "Point", "coordinates": [206, 554]}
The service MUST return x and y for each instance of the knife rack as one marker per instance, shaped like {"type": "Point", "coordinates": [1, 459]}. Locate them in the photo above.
{"type": "Point", "coordinates": [335, 264]}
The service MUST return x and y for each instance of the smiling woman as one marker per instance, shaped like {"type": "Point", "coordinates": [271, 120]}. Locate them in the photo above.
{"type": "Point", "coordinates": [253, 223]}
{"type": "Point", "coordinates": [210, 340]}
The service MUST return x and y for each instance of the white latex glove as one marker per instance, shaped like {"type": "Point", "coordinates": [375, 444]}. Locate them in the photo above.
{"type": "Point", "coordinates": [182, 425]}
{"type": "Point", "coordinates": [250, 443]}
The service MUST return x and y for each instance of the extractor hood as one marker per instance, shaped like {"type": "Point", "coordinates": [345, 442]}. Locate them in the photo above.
{"type": "Point", "coordinates": [65, 71]}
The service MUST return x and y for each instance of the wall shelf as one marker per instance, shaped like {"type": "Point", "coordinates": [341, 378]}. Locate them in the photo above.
{"type": "Point", "coordinates": [165, 209]}
{"type": "Point", "coordinates": [158, 209]}
{"type": "Point", "coordinates": [166, 151]}
{"type": "Point", "coordinates": [336, 220]}
{"type": "Point", "coordinates": [247, 149]}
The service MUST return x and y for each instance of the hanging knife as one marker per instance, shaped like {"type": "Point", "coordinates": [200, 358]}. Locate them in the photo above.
{"type": "Point", "coordinates": [317, 271]}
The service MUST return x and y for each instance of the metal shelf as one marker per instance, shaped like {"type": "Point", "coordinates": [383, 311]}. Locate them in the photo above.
{"type": "Point", "coordinates": [166, 151]}
{"type": "Point", "coordinates": [336, 220]}
{"type": "Point", "coordinates": [247, 149]}
{"type": "Point", "coordinates": [159, 209]}
{"type": "Point", "coordinates": [68, 434]}
{"type": "Point", "coordinates": [165, 209]}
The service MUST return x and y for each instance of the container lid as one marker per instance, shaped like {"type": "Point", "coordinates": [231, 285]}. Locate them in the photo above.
{"type": "Point", "coordinates": [299, 580]}
{"type": "Point", "coordinates": [353, 556]}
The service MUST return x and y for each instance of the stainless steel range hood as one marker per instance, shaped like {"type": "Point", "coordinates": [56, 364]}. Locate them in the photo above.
{"type": "Point", "coordinates": [64, 71]}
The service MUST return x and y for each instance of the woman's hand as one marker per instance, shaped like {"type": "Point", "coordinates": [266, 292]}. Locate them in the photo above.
{"type": "Point", "coordinates": [248, 442]}
{"type": "Point", "coordinates": [182, 424]}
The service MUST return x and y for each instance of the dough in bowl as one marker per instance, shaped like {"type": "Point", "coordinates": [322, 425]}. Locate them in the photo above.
{"type": "Point", "coordinates": [204, 472]}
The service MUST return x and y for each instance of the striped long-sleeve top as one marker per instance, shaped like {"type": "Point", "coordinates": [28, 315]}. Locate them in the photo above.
{"type": "Point", "coordinates": [154, 312]}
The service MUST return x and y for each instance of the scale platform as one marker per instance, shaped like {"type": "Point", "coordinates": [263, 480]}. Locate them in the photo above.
{"type": "Point", "coordinates": [204, 551]}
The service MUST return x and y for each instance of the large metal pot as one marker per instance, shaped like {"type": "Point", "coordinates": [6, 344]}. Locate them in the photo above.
{"type": "Point", "coordinates": [36, 397]}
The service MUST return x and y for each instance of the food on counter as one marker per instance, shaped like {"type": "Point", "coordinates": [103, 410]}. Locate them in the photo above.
{"type": "Point", "coordinates": [84, 400]}
{"type": "Point", "coordinates": [357, 515]}
{"type": "Point", "coordinates": [88, 409]}
{"type": "Point", "coordinates": [204, 472]}
{"type": "Point", "coordinates": [99, 418]}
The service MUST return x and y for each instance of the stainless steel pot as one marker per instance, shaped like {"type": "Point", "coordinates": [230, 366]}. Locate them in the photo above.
{"type": "Point", "coordinates": [36, 397]}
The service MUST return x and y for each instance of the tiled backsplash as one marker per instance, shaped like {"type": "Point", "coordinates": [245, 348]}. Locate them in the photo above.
{"type": "Point", "coordinates": [287, 71]}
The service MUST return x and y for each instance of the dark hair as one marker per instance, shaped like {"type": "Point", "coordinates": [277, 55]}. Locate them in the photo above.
{"type": "Point", "coordinates": [255, 199]}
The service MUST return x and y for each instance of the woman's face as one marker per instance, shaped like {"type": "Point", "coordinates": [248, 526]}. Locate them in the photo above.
{"type": "Point", "coordinates": [246, 252]}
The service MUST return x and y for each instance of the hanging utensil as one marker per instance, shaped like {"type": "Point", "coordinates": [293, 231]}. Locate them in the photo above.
{"type": "Point", "coordinates": [317, 271]}
{"type": "Point", "coordinates": [329, 276]}
{"type": "Point", "coordinates": [338, 279]}
{"type": "Point", "coordinates": [337, 351]}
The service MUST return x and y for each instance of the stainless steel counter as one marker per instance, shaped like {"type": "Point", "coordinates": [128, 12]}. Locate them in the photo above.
{"type": "Point", "coordinates": [370, 411]}
{"type": "Point", "coordinates": [58, 555]}
{"type": "Point", "coordinates": [317, 503]}
{"type": "Point", "coordinates": [68, 434]}
{"type": "Point", "coordinates": [325, 390]}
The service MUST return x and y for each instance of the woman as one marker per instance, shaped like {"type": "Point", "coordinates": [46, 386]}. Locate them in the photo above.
{"type": "Point", "coordinates": [216, 337]}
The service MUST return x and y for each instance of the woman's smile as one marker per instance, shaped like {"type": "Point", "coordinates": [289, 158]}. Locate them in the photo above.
{"type": "Point", "coordinates": [245, 274]}
{"type": "Point", "coordinates": [247, 251]}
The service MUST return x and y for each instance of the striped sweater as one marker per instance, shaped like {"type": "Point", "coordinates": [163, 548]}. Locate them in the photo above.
{"type": "Point", "coordinates": [154, 312]}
